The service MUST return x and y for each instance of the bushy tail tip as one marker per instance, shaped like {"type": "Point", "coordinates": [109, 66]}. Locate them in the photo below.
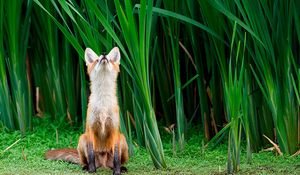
{"type": "Point", "coordinates": [68, 155]}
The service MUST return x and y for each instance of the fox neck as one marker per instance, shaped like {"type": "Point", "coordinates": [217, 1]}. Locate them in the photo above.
{"type": "Point", "coordinates": [103, 91]}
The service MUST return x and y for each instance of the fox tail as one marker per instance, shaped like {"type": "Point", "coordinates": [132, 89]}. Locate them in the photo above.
{"type": "Point", "coordinates": [68, 155]}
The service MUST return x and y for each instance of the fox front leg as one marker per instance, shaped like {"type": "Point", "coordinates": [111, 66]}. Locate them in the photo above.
{"type": "Point", "coordinates": [91, 159]}
{"type": "Point", "coordinates": [116, 161]}
{"type": "Point", "coordinates": [86, 153]}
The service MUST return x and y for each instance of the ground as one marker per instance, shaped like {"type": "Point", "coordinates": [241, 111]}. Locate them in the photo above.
{"type": "Point", "coordinates": [27, 156]}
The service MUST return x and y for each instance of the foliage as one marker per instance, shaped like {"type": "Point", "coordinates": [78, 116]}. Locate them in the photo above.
{"type": "Point", "coordinates": [228, 67]}
{"type": "Point", "coordinates": [16, 111]}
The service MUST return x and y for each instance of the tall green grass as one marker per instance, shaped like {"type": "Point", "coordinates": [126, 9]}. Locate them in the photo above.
{"type": "Point", "coordinates": [5, 98]}
{"type": "Point", "coordinates": [16, 95]}
{"type": "Point", "coordinates": [137, 36]}
{"type": "Point", "coordinates": [171, 28]}
{"type": "Point", "coordinates": [272, 59]}
{"type": "Point", "coordinates": [48, 36]}
{"type": "Point", "coordinates": [233, 91]}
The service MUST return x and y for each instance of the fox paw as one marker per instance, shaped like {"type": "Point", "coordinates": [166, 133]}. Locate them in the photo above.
{"type": "Point", "coordinates": [90, 169]}
{"type": "Point", "coordinates": [116, 173]}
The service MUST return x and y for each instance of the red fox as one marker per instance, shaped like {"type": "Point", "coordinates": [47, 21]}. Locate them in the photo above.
{"type": "Point", "coordinates": [102, 144]}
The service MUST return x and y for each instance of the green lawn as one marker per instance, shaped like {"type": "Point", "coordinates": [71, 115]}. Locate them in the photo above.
{"type": "Point", "coordinates": [26, 157]}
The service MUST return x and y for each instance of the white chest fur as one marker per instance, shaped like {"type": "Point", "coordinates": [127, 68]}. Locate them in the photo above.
{"type": "Point", "coordinates": [103, 100]}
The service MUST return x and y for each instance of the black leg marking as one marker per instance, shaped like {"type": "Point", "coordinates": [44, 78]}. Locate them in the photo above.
{"type": "Point", "coordinates": [117, 161]}
{"type": "Point", "coordinates": [91, 159]}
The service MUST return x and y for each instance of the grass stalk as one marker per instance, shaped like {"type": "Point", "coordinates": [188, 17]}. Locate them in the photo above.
{"type": "Point", "coordinates": [5, 98]}
{"type": "Point", "coordinates": [17, 27]}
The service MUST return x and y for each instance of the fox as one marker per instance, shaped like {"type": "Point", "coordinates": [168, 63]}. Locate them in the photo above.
{"type": "Point", "coordinates": [102, 144]}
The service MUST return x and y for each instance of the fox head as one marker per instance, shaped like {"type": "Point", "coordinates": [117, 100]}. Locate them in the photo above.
{"type": "Point", "coordinates": [103, 65]}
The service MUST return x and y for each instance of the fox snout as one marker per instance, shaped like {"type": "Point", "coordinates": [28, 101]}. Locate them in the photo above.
{"type": "Point", "coordinates": [104, 59]}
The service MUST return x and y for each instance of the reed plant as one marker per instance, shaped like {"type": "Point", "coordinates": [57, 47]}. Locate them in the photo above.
{"type": "Point", "coordinates": [5, 98]}
{"type": "Point", "coordinates": [171, 28]}
{"type": "Point", "coordinates": [15, 83]}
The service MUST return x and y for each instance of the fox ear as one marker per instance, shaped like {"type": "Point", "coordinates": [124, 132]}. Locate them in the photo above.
{"type": "Point", "coordinates": [114, 55]}
{"type": "Point", "coordinates": [90, 56]}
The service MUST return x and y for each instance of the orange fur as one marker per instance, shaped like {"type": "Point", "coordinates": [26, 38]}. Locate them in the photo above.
{"type": "Point", "coordinates": [66, 154]}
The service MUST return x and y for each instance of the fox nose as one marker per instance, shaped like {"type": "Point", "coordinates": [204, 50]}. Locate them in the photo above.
{"type": "Point", "coordinates": [104, 59]}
